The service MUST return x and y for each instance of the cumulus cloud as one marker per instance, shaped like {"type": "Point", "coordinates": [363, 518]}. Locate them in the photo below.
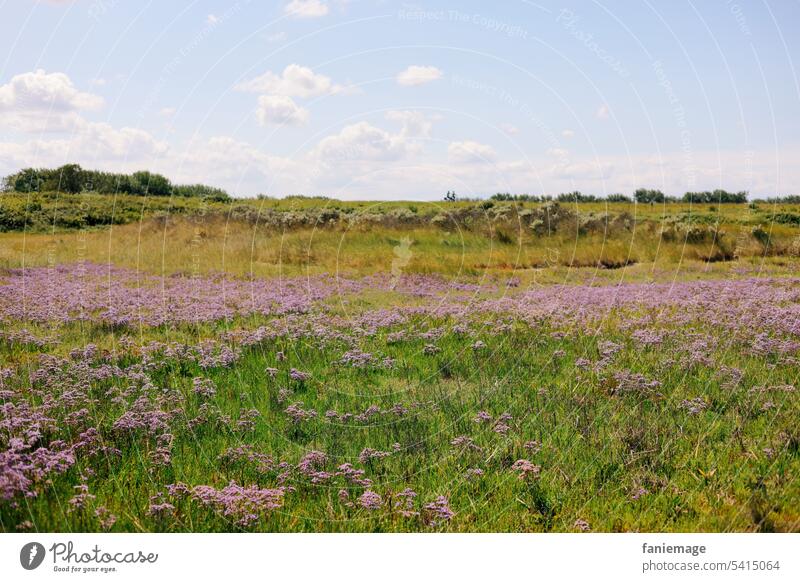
{"type": "Point", "coordinates": [280, 110]}
{"type": "Point", "coordinates": [229, 162]}
{"type": "Point", "coordinates": [418, 75]}
{"type": "Point", "coordinates": [295, 81]}
{"type": "Point", "coordinates": [306, 8]}
{"type": "Point", "coordinates": [470, 152]}
{"type": "Point", "coordinates": [42, 90]}
{"type": "Point", "coordinates": [595, 170]}
{"type": "Point", "coordinates": [362, 141]}
{"type": "Point", "coordinates": [91, 144]}
{"type": "Point", "coordinates": [40, 101]}
{"type": "Point", "coordinates": [558, 152]}
{"type": "Point", "coordinates": [509, 128]}
{"type": "Point", "coordinates": [414, 123]}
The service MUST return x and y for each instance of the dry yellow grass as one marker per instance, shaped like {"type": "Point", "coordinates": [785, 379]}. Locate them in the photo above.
{"type": "Point", "coordinates": [215, 244]}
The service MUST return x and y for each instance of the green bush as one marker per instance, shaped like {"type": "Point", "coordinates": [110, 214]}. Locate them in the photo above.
{"type": "Point", "coordinates": [72, 179]}
{"type": "Point", "coordinates": [717, 196]}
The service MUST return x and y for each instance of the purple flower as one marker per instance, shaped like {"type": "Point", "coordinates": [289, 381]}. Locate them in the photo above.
{"type": "Point", "coordinates": [628, 381]}
{"type": "Point", "coordinates": [464, 443]}
{"type": "Point", "coordinates": [105, 518]}
{"type": "Point", "coordinates": [161, 509]}
{"type": "Point", "coordinates": [473, 473]}
{"type": "Point", "coordinates": [581, 525]}
{"type": "Point", "coordinates": [525, 469]}
{"type": "Point", "coordinates": [694, 406]}
{"type": "Point", "coordinates": [431, 349]}
{"type": "Point", "coordinates": [438, 511]}
{"type": "Point", "coordinates": [404, 502]}
{"type": "Point", "coordinates": [245, 505]}
{"type": "Point", "coordinates": [298, 414]}
{"type": "Point", "coordinates": [368, 454]}
{"type": "Point", "coordinates": [204, 387]}
{"type": "Point", "coordinates": [532, 446]}
{"type": "Point", "coordinates": [370, 500]}
{"type": "Point", "coordinates": [482, 417]}
{"type": "Point", "coordinates": [299, 376]}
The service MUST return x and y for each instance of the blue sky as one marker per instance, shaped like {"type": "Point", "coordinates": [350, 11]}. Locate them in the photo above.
{"type": "Point", "coordinates": [384, 100]}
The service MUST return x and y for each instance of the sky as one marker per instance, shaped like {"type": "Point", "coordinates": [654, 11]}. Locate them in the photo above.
{"type": "Point", "coordinates": [379, 100]}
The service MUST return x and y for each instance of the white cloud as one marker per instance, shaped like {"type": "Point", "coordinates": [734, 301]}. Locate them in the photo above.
{"type": "Point", "coordinates": [101, 140]}
{"type": "Point", "coordinates": [92, 145]}
{"type": "Point", "coordinates": [558, 152]}
{"type": "Point", "coordinates": [280, 110]}
{"type": "Point", "coordinates": [418, 75]}
{"type": "Point", "coordinates": [470, 152]}
{"type": "Point", "coordinates": [415, 123]}
{"type": "Point", "coordinates": [602, 112]}
{"type": "Point", "coordinates": [362, 141]}
{"type": "Point", "coordinates": [41, 90]}
{"type": "Point", "coordinates": [509, 128]}
{"type": "Point", "coordinates": [167, 111]}
{"type": "Point", "coordinates": [295, 81]}
{"type": "Point", "coordinates": [212, 19]}
{"type": "Point", "coordinates": [229, 162]}
{"type": "Point", "coordinates": [594, 170]}
{"type": "Point", "coordinates": [40, 101]}
{"type": "Point", "coordinates": [306, 8]}
{"type": "Point", "coordinates": [567, 133]}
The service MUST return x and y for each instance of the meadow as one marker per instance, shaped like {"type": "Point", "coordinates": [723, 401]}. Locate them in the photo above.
{"type": "Point", "coordinates": [315, 365]}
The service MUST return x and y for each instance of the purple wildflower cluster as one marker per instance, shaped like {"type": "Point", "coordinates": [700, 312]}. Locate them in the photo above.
{"type": "Point", "coordinates": [244, 505]}
{"type": "Point", "coordinates": [525, 469]}
{"type": "Point", "coordinates": [64, 412]}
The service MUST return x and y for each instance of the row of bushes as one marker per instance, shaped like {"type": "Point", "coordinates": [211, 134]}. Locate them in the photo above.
{"type": "Point", "coordinates": [72, 179]}
{"type": "Point", "coordinates": [642, 195]}
{"type": "Point", "coordinates": [564, 197]}
{"type": "Point", "coordinates": [40, 212]}
{"type": "Point", "coordinates": [44, 211]}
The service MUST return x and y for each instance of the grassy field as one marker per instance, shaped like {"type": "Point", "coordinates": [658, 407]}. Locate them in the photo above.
{"type": "Point", "coordinates": [316, 365]}
{"type": "Point", "coordinates": [300, 236]}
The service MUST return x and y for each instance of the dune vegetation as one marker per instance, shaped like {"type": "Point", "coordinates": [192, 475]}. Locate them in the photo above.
{"type": "Point", "coordinates": [180, 364]}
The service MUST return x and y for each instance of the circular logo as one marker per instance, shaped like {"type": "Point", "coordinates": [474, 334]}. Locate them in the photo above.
{"type": "Point", "coordinates": [31, 555]}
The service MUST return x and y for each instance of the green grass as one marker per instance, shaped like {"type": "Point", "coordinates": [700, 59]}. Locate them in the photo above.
{"type": "Point", "coordinates": [703, 472]}
{"type": "Point", "coordinates": [305, 236]}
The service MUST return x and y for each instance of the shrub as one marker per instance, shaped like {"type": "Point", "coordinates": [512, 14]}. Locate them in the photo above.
{"type": "Point", "coordinates": [717, 196]}
{"type": "Point", "coordinates": [72, 179]}
{"type": "Point", "coordinates": [643, 195]}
